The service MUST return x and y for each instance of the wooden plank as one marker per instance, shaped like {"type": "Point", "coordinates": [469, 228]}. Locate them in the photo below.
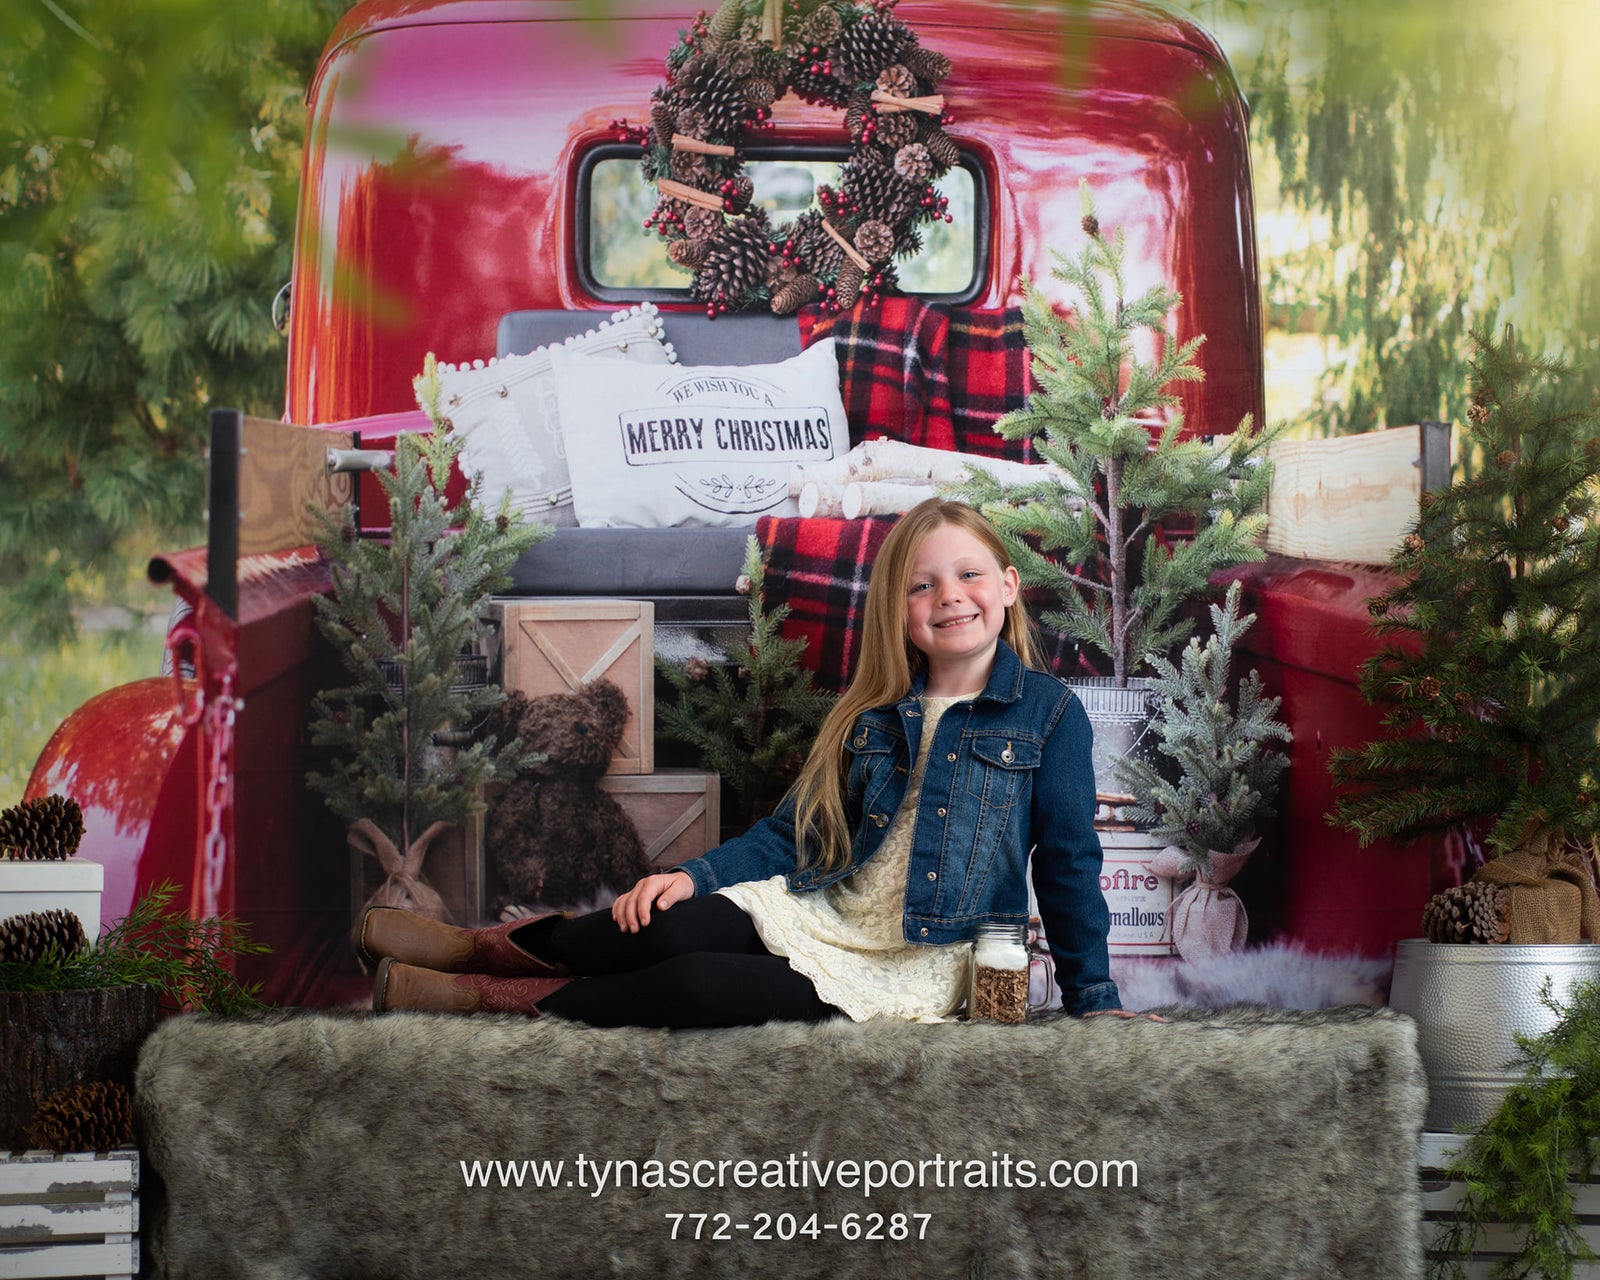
{"type": "Point", "coordinates": [39, 1177]}
{"type": "Point", "coordinates": [1445, 1198]}
{"type": "Point", "coordinates": [1350, 498]}
{"type": "Point", "coordinates": [283, 475]}
{"type": "Point", "coordinates": [38, 1221]}
{"type": "Point", "coordinates": [55, 1261]}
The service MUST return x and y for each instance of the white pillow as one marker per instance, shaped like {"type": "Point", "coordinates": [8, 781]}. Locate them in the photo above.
{"type": "Point", "coordinates": [506, 412]}
{"type": "Point", "coordinates": [696, 445]}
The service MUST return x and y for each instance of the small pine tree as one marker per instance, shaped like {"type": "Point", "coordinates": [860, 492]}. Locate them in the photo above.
{"type": "Point", "coordinates": [1121, 590]}
{"type": "Point", "coordinates": [410, 606]}
{"type": "Point", "coordinates": [1227, 770]}
{"type": "Point", "coordinates": [753, 719]}
{"type": "Point", "coordinates": [1493, 702]}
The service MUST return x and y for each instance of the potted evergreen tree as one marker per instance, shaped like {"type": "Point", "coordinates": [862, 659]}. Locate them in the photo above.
{"type": "Point", "coordinates": [402, 614]}
{"type": "Point", "coordinates": [1211, 813]}
{"type": "Point", "coordinates": [1091, 540]}
{"type": "Point", "coordinates": [1491, 703]}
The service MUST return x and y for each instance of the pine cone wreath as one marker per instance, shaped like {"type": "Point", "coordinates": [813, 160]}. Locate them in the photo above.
{"type": "Point", "coordinates": [44, 830]}
{"type": "Point", "coordinates": [716, 96]}
{"type": "Point", "coordinates": [29, 937]}
{"type": "Point", "coordinates": [97, 1116]}
{"type": "Point", "coordinates": [1470, 912]}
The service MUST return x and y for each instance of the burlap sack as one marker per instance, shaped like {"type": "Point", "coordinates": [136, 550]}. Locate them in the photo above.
{"type": "Point", "coordinates": [1208, 918]}
{"type": "Point", "coordinates": [1552, 895]}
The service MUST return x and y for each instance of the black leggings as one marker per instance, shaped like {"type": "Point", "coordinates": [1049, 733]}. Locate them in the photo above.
{"type": "Point", "coordinates": [700, 963]}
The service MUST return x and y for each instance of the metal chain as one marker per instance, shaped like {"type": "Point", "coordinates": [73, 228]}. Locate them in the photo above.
{"type": "Point", "coordinates": [221, 713]}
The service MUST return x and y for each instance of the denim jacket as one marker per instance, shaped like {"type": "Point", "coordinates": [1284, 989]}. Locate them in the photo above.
{"type": "Point", "coordinates": [1009, 770]}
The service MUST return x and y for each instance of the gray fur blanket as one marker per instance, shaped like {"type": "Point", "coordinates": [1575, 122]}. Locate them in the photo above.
{"type": "Point", "coordinates": [1236, 1144]}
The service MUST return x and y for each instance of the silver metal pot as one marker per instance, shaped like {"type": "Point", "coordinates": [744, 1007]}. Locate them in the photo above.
{"type": "Point", "coordinates": [1468, 1000]}
{"type": "Point", "coordinates": [1121, 718]}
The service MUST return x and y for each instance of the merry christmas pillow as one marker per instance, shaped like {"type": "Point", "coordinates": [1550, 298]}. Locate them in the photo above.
{"type": "Point", "coordinates": [507, 414]}
{"type": "Point", "coordinates": [696, 445]}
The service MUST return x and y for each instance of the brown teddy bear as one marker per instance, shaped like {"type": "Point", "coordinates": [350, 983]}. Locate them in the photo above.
{"type": "Point", "coordinates": [555, 840]}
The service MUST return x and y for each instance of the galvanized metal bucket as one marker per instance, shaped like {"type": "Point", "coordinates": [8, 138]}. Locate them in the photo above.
{"type": "Point", "coordinates": [1468, 1001]}
{"type": "Point", "coordinates": [1121, 717]}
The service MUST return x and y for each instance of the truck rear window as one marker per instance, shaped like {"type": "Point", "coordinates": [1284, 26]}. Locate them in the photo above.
{"type": "Point", "coordinates": [619, 260]}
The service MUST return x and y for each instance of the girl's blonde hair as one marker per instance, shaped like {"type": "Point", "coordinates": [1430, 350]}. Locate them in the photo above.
{"type": "Point", "coordinates": [884, 670]}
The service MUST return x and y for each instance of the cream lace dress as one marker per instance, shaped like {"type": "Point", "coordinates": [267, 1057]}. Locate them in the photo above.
{"type": "Point", "coordinates": [848, 937]}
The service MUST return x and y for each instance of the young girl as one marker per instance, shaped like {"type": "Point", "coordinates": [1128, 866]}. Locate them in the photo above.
{"type": "Point", "coordinates": [947, 759]}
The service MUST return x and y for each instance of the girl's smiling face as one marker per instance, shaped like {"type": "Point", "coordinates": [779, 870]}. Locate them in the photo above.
{"type": "Point", "coordinates": [956, 602]}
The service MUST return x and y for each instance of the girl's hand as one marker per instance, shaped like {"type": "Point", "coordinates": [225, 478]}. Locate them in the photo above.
{"type": "Point", "coordinates": [632, 910]}
{"type": "Point", "coordinates": [1125, 1013]}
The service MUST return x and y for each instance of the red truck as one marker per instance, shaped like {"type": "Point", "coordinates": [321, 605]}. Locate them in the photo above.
{"type": "Point", "coordinates": [468, 176]}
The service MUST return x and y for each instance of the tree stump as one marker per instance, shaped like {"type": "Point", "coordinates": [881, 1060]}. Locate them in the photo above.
{"type": "Point", "coordinates": [52, 1039]}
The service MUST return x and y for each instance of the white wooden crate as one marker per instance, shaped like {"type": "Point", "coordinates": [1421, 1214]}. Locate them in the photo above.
{"type": "Point", "coordinates": [1441, 1198]}
{"type": "Point", "coordinates": [69, 1215]}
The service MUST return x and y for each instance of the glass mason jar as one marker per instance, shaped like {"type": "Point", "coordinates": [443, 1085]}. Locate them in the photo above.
{"type": "Point", "coordinates": [997, 988]}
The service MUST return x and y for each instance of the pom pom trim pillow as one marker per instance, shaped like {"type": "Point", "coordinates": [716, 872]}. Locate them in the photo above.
{"type": "Point", "coordinates": [696, 445]}
{"type": "Point", "coordinates": [507, 415]}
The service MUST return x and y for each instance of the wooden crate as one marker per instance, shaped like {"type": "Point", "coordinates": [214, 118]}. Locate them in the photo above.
{"type": "Point", "coordinates": [69, 1215]}
{"type": "Point", "coordinates": [1441, 1199]}
{"type": "Point", "coordinates": [556, 646]}
{"type": "Point", "coordinates": [678, 812]}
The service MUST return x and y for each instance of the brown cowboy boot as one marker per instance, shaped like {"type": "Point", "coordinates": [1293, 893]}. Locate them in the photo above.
{"type": "Point", "coordinates": [389, 933]}
{"type": "Point", "coordinates": [404, 987]}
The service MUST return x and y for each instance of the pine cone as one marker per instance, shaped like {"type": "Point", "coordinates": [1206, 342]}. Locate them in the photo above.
{"type": "Point", "coordinates": [1471, 912]}
{"type": "Point", "coordinates": [925, 64]}
{"type": "Point", "coordinates": [875, 241]}
{"type": "Point", "coordinates": [790, 297]}
{"type": "Point", "coordinates": [715, 95]}
{"type": "Point", "coordinates": [856, 115]}
{"type": "Point", "coordinates": [847, 287]}
{"type": "Point", "coordinates": [877, 190]}
{"type": "Point", "coordinates": [823, 27]}
{"type": "Point", "coordinates": [726, 21]}
{"type": "Point", "coordinates": [44, 830]}
{"type": "Point", "coordinates": [739, 60]}
{"type": "Point", "coordinates": [744, 191]}
{"type": "Point", "coordinates": [871, 43]}
{"type": "Point", "coordinates": [702, 224]}
{"type": "Point", "coordinates": [760, 92]}
{"type": "Point", "coordinates": [689, 253]}
{"type": "Point", "coordinates": [913, 163]}
{"type": "Point", "coordinates": [690, 123]}
{"type": "Point", "coordinates": [97, 1116]}
{"type": "Point", "coordinates": [896, 128]}
{"type": "Point", "coordinates": [816, 248]}
{"type": "Point", "coordinates": [664, 121]}
{"type": "Point", "coordinates": [736, 264]}
{"type": "Point", "coordinates": [942, 147]}
{"type": "Point", "coordinates": [27, 938]}
{"type": "Point", "coordinates": [898, 81]}
{"type": "Point", "coordinates": [690, 167]}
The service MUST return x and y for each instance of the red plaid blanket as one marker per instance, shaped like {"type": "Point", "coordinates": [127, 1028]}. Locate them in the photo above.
{"type": "Point", "coordinates": [923, 374]}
